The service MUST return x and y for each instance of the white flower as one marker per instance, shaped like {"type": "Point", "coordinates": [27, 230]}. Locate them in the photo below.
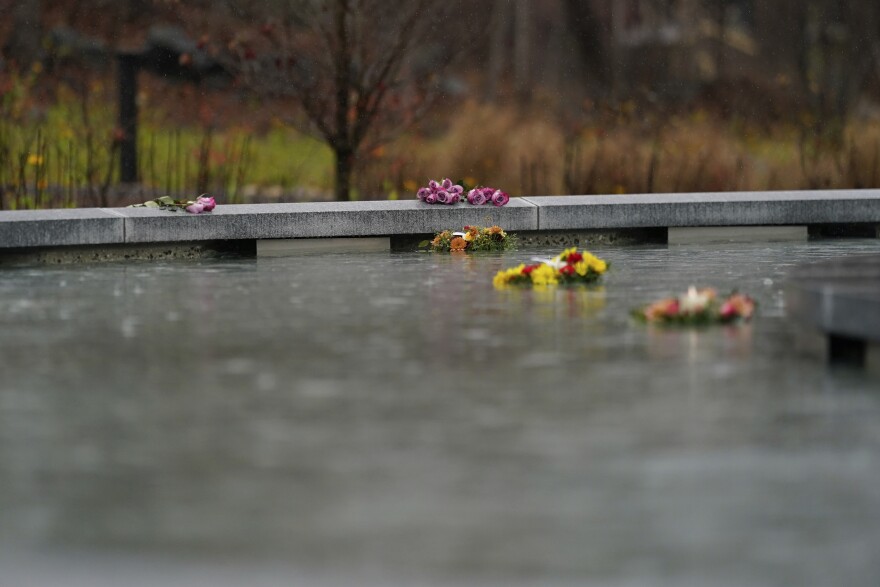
{"type": "Point", "coordinates": [695, 301]}
{"type": "Point", "coordinates": [554, 262]}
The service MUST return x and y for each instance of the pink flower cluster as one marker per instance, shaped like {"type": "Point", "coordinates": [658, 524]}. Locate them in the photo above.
{"type": "Point", "coordinates": [443, 192]}
{"type": "Point", "coordinates": [202, 204]}
{"type": "Point", "coordinates": [446, 192]}
{"type": "Point", "coordinates": [485, 195]}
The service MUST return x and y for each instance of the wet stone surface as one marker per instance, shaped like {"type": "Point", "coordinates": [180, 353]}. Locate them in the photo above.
{"type": "Point", "coordinates": [390, 419]}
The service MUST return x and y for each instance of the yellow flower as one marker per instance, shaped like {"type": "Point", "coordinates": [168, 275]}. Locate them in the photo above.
{"type": "Point", "coordinates": [504, 276]}
{"type": "Point", "coordinates": [468, 236]}
{"type": "Point", "coordinates": [544, 275]}
{"type": "Point", "coordinates": [35, 160]}
{"type": "Point", "coordinates": [581, 267]}
{"type": "Point", "coordinates": [598, 265]}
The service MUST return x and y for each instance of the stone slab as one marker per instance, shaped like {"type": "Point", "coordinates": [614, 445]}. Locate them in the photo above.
{"type": "Point", "coordinates": [708, 209]}
{"type": "Point", "coordinates": [52, 228]}
{"type": "Point", "coordinates": [680, 235]}
{"type": "Point", "coordinates": [295, 246]}
{"type": "Point", "coordinates": [319, 220]}
{"type": "Point", "coordinates": [840, 298]}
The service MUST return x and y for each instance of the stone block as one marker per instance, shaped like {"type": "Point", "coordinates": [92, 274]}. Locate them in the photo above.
{"type": "Point", "coordinates": [839, 298]}
{"type": "Point", "coordinates": [319, 220]}
{"type": "Point", "coordinates": [708, 209]}
{"type": "Point", "coordinates": [50, 228]}
{"type": "Point", "coordinates": [295, 246]}
{"type": "Point", "coordinates": [687, 235]}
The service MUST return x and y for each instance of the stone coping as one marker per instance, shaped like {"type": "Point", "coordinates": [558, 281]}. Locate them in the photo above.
{"type": "Point", "coordinates": [91, 226]}
{"type": "Point", "coordinates": [838, 300]}
{"type": "Point", "coordinates": [838, 297]}
{"type": "Point", "coordinates": [709, 209]}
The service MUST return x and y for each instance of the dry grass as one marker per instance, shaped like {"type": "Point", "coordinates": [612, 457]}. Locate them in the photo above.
{"type": "Point", "coordinates": [532, 156]}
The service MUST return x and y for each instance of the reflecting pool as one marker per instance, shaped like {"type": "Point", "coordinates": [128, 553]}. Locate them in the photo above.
{"type": "Point", "coordinates": [391, 419]}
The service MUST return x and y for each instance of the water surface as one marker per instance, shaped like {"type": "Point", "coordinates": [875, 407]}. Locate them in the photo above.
{"type": "Point", "coordinates": [390, 419]}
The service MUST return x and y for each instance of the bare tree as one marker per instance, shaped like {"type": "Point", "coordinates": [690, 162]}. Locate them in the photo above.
{"type": "Point", "coordinates": [827, 43]}
{"type": "Point", "coordinates": [360, 69]}
{"type": "Point", "coordinates": [587, 27]}
{"type": "Point", "coordinates": [24, 42]}
{"type": "Point", "coordinates": [522, 49]}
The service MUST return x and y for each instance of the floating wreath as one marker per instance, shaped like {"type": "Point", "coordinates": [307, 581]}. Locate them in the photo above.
{"type": "Point", "coordinates": [698, 307]}
{"type": "Point", "coordinates": [570, 267]}
{"type": "Point", "coordinates": [203, 203]}
{"type": "Point", "coordinates": [474, 238]}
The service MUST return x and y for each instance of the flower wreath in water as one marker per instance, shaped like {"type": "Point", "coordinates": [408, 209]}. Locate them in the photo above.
{"type": "Point", "coordinates": [446, 192]}
{"type": "Point", "coordinates": [569, 267]}
{"type": "Point", "coordinates": [698, 307]}
{"type": "Point", "coordinates": [203, 203]}
{"type": "Point", "coordinates": [474, 238]}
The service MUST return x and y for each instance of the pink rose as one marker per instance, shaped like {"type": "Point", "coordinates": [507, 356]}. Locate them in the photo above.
{"type": "Point", "coordinates": [500, 198]}
{"type": "Point", "coordinates": [476, 197]}
{"type": "Point", "coordinates": [206, 201]}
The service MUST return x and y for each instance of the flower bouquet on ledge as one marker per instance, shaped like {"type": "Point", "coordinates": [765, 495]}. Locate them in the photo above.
{"type": "Point", "coordinates": [570, 267]}
{"type": "Point", "coordinates": [203, 203]}
{"type": "Point", "coordinates": [698, 307]}
{"type": "Point", "coordinates": [474, 238]}
{"type": "Point", "coordinates": [446, 192]}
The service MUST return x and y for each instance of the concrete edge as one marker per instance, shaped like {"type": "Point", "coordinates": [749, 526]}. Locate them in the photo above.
{"type": "Point", "coordinates": [834, 308]}
{"type": "Point", "coordinates": [825, 213]}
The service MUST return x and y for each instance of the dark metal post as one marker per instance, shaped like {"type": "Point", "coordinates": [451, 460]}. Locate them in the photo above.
{"type": "Point", "coordinates": [128, 65]}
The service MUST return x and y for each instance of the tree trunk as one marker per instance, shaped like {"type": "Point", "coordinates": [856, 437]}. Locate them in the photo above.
{"type": "Point", "coordinates": [23, 45]}
{"type": "Point", "coordinates": [522, 71]}
{"type": "Point", "coordinates": [721, 22]}
{"type": "Point", "coordinates": [343, 62]}
{"type": "Point", "coordinates": [344, 164]}
{"type": "Point", "coordinates": [587, 29]}
{"type": "Point", "coordinates": [497, 50]}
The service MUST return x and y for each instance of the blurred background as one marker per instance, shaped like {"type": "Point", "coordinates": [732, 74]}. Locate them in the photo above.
{"type": "Point", "coordinates": [110, 102]}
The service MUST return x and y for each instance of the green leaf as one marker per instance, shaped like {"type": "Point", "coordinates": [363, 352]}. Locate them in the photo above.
{"type": "Point", "coordinates": [167, 200]}
{"type": "Point", "coordinates": [151, 204]}
{"type": "Point", "coordinates": [424, 244]}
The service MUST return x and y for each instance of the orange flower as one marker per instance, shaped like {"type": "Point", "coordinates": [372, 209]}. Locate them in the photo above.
{"type": "Point", "coordinates": [457, 244]}
{"type": "Point", "coordinates": [667, 308]}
